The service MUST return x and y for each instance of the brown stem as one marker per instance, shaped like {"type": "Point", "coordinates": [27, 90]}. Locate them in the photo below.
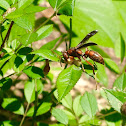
{"type": "Point", "coordinates": [24, 115]}
{"type": "Point", "coordinates": [7, 35]}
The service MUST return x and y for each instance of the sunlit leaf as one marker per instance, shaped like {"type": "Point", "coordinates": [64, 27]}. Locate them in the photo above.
{"type": "Point", "coordinates": [24, 3]}
{"type": "Point", "coordinates": [33, 72]}
{"type": "Point", "coordinates": [47, 54]}
{"type": "Point", "coordinates": [111, 65]}
{"type": "Point", "coordinates": [120, 82]}
{"type": "Point", "coordinates": [122, 48]}
{"type": "Point", "coordinates": [44, 31]}
{"type": "Point", "coordinates": [67, 101]}
{"type": "Point", "coordinates": [60, 116]}
{"type": "Point", "coordinates": [101, 74]}
{"type": "Point", "coordinates": [25, 21]}
{"type": "Point", "coordinates": [4, 4]}
{"type": "Point", "coordinates": [77, 106]}
{"type": "Point", "coordinates": [14, 105]}
{"type": "Point", "coordinates": [116, 98]}
{"type": "Point", "coordinates": [43, 108]}
{"type": "Point", "coordinates": [50, 45]}
{"type": "Point", "coordinates": [89, 104]}
{"type": "Point", "coordinates": [29, 91]}
{"type": "Point", "coordinates": [28, 38]}
{"type": "Point", "coordinates": [89, 16]}
{"type": "Point", "coordinates": [67, 79]}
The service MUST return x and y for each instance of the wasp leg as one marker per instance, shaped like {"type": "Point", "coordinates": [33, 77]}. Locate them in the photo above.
{"type": "Point", "coordinates": [89, 64]}
{"type": "Point", "coordinates": [92, 68]}
{"type": "Point", "coordinates": [81, 63]}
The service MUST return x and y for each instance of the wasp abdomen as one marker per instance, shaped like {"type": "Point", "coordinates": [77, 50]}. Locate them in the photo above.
{"type": "Point", "coordinates": [95, 56]}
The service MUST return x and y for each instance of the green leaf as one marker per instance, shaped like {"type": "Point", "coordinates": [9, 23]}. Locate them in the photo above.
{"type": "Point", "coordinates": [120, 82]}
{"type": "Point", "coordinates": [89, 104]}
{"type": "Point", "coordinates": [47, 54]}
{"type": "Point", "coordinates": [67, 79]}
{"type": "Point", "coordinates": [44, 31]}
{"type": "Point", "coordinates": [24, 3]}
{"type": "Point", "coordinates": [29, 91]}
{"type": "Point", "coordinates": [14, 1]}
{"type": "Point", "coordinates": [5, 83]}
{"type": "Point", "coordinates": [9, 123]}
{"type": "Point", "coordinates": [14, 44]}
{"type": "Point", "coordinates": [111, 65]}
{"type": "Point", "coordinates": [33, 72]}
{"type": "Point", "coordinates": [115, 98]}
{"type": "Point", "coordinates": [23, 12]}
{"type": "Point", "coordinates": [67, 101]}
{"type": "Point", "coordinates": [14, 105]}
{"type": "Point", "coordinates": [5, 68]}
{"type": "Point", "coordinates": [50, 45]}
{"type": "Point", "coordinates": [39, 86]}
{"type": "Point", "coordinates": [71, 118]}
{"type": "Point", "coordinates": [4, 59]}
{"type": "Point", "coordinates": [120, 7]}
{"type": "Point", "coordinates": [25, 21]}
{"type": "Point", "coordinates": [24, 50]}
{"type": "Point", "coordinates": [60, 116]}
{"type": "Point", "coordinates": [30, 9]}
{"type": "Point", "coordinates": [84, 118]}
{"type": "Point", "coordinates": [17, 62]}
{"type": "Point", "coordinates": [90, 15]}
{"type": "Point", "coordinates": [63, 6]}
{"type": "Point", "coordinates": [122, 48]}
{"type": "Point", "coordinates": [16, 32]}
{"type": "Point", "coordinates": [114, 119]}
{"type": "Point", "coordinates": [43, 108]}
{"type": "Point", "coordinates": [77, 106]}
{"type": "Point", "coordinates": [15, 14]}
{"type": "Point", "coordinates": [55, 3]}
{"type": "Point", "coordinates": [4, 4]}
{"type": "Point", "coordinates": [28, 38]}
{"type": "Point", "coordinates": [67, 8]}
{"type": "Point", "coordinates": [101, 74]}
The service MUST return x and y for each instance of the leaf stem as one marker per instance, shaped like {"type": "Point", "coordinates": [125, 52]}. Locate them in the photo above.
{"type": "Point", "coordinates": [7, 35]}
{"type": "Point", "coordinates": [45, 22]}
{"type": "Point", "coordinates": [24, 115]}
{"type": "Point", "coordinates": [1, 32]}
{"type": "Point", "coordinates": [70, 32]}
{"type": "Point", "coordinates": [107, 114]}
{"type": "Point", "coordinates": [36, 102]}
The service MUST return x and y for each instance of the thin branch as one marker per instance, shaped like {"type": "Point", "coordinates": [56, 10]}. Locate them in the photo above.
{"type": "Point", "coordinates": [36, 102]}
{"type": "Point", "coordinates": [7, 35]}
{"type": "Point", "coordinates": [1, 32]}
{"type": "Point", "coordinates": [70, 32]}
{"type": "Point", "coordinates": [24, 115]}
{"type": "Point", "coordinates": [45, 22]}
{"type": "Point", "coordinates": [102, 116]}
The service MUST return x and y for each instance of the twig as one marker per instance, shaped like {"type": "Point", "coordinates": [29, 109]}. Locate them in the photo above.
{"type": "Point", "coordinates": [45, 22]}
{"type": "Point", "coordinates": [1, 32]}
{"type": "Point", "coordinates": [7, 35]}
{"type": "Point", "coordinates": [24, 115]}
{"type": "Point", "coordinates": [102, 116]}
{"type": "Point", "coordinates": [70, 32]}
{"type": "Point", "coordinates": [36, 102]}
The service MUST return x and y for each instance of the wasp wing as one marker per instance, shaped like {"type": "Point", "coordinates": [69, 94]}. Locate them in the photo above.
{"type": "Point", "coordinates": [87, 44]}
{"type": "Point", "coordinates": [87, 38]}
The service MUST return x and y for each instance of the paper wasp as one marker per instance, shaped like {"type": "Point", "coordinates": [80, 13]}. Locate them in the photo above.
{"type": "Point", "coordinates": [71, 53]}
